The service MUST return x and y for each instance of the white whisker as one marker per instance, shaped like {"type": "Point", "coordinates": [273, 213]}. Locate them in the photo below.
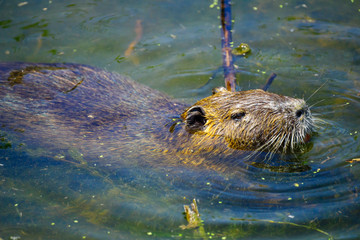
{"type": "Point", "coordinates": [316, 103]}
{"type": "Point", "coordinates": [316, 90]}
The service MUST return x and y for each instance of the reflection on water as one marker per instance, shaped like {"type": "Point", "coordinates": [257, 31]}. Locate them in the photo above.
{"type": "Point", "coordinates": [303, 42]}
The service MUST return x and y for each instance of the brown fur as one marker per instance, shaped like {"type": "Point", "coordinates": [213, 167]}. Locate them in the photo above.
{"type": "Point", "coordinates": [106, 117]}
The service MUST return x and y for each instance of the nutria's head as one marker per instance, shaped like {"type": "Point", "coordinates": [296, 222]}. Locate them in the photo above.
{"type": "Point", "coordinates": [251, 120]}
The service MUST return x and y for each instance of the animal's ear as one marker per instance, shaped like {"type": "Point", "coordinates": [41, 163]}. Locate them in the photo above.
{"type": "Point", "coordinates": [195, 119]}
{"type": "Point", "coordinates": [219, 89]}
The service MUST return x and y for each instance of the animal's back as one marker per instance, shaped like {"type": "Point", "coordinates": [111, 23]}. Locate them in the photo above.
{"type": "Point", "coordinates": [58, 106]}
{"type": "Point", "coordinates": [79, 88]}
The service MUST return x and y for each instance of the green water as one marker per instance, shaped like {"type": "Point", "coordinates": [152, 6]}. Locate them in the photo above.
{"type": "Point", "coordinates": [307, 43]}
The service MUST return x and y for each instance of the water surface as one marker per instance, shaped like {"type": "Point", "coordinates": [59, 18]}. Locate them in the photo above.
{"type": "Point", "coordinates": [307, 43]}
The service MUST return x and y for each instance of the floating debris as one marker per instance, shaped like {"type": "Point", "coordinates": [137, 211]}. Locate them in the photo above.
{"type": "Point", "coordinates": [22, 4]}
{"type": "Point", "coordinates": [354, 160]}
{"type": "Point", "coordinates": [242, 49]}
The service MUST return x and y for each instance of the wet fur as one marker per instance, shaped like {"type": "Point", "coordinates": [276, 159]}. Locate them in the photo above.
{"type": "Point", "coordinates": [107, 118]}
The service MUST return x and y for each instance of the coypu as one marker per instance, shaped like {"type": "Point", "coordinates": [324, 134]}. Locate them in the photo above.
{"type": "Point", "coordinates": [106, 116]}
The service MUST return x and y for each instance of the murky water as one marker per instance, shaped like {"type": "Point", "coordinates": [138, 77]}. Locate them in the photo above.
{"type": "Point", "coordinates": [307, 43]}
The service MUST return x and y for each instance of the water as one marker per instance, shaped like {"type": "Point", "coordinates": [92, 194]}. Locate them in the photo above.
{"type": "Point", "coordinates": [307, 43]}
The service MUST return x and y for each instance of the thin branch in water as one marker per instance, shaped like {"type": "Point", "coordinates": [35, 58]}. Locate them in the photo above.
{"type": "Point", "coordinates": [129, 51]}
{"type": "Point", "coordinates": [269, 81]}
{"type": "Point", "coordinates": [226, 46]}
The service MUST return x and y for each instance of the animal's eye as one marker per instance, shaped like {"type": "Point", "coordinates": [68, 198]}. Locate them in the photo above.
{"type": "Point", "coordinates": [299, 113]}
{"type": "Point", "coordinates": [237, 116]}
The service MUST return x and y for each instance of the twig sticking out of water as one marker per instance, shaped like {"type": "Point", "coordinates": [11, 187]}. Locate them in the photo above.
{"type": "Point", "coordinates": [226, 46]}
{"type": "Point", "coordinates": [269, 82]}
{"type": "Point", "coordinates": [192, 216]}
{"type": "Point", "coordinates": [130, 49]}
